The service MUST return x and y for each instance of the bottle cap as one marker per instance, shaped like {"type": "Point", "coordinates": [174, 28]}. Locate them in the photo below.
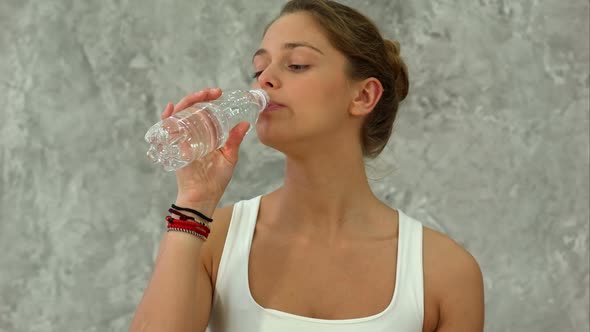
{"type": "Point", "coordinates": [263, 96]}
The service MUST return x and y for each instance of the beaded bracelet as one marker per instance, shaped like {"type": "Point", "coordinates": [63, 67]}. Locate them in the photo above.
{"type": "Point", "coordinates": [191, 224]}
{"type": "Point", "coordinates": [181, 215]}
{"type": "Point", "coordinates": [189, 228]}
{"type": "Point", "coordinates": [202, 224]}
{"type": "Point", "coordinates": [187, 231]}
{"type": "Point", "coordinates": [203, 232]}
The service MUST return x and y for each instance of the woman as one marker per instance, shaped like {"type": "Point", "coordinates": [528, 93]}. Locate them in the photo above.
{"type": "Point", "coordinates": [321, 253]}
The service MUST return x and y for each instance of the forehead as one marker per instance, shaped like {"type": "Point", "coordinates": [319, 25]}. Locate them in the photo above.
{"type": "Point", "coordinates": [296, 26]}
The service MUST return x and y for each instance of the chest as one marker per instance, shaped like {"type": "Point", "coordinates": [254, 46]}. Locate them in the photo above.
{"type": "Point", "coordinates": [320, 281]}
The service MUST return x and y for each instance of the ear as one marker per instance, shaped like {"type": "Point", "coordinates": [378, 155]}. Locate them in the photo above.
{"type": "Point", "coordinates": [367, 94]}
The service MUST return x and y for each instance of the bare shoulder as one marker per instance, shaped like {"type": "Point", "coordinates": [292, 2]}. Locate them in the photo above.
{"type": "Point", "coordinates": [213, 247]}
{"type": "Point", "coordinates": [453, 278]}
{"type": "Point", "coordinates": [452, 257]}
{"type": "Point", "coordinates": [448, 260]}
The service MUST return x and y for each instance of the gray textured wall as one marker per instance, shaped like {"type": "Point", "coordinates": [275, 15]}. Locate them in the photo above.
{"type": "Point", "coordinates": [491, 146]}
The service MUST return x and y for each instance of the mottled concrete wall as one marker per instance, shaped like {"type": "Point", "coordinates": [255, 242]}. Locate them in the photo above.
{"type": "Point", "coordinates": [491, 146]}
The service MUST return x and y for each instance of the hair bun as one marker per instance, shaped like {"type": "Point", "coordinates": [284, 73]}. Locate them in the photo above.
{"type": "Point", "coordinates": [392, 46]}
{"type": "Point", "coordinates": [402, 83]}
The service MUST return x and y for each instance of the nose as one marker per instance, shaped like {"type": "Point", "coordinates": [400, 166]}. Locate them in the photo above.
{"type": "Point", "coordinates": [268, 79]}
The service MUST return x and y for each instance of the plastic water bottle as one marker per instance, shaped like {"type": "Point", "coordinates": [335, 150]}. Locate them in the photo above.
{"type": "Point", "coordinates": [202, 128]}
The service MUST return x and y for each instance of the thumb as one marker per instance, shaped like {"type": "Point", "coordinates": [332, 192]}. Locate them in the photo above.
{"type": "Point", "coordinates": [232, 145]}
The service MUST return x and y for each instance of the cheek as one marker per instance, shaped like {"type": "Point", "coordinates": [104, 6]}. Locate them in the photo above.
{"type": "Point", "coordinates": [330, 95]}
{"type": "Point", "coordinates": [324, 92]}
{"type": "Point", "coordinates": [323, 109]}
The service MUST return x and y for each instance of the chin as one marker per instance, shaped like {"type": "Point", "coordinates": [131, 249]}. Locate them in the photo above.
{"type": "Point", "coordinates": [267, 138]}
{"type": "Point", "coordinates": [274, 138]}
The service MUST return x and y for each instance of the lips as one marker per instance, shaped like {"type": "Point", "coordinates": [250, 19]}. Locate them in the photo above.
{"type": "Point", "coordinates": [271, 107]}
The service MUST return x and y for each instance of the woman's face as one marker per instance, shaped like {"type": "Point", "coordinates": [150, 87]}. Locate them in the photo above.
{"type": "Point", "coordinates": [300, 70]}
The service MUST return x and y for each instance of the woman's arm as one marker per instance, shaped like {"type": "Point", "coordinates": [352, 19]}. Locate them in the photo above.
{"type": "Point", "coordinates": [178, 296]}
{"type": "Point", "coordinates": [460, 290]}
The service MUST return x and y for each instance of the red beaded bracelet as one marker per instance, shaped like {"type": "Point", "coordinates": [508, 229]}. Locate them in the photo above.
{"type": "Point", "coordinates": [181, 215]}
{"type": "Point", "coordinates": [188, 225]}
{"type": "Point", "coordinates": [173, 220]}
{"type": "Point", "coordinates": [189, 228]}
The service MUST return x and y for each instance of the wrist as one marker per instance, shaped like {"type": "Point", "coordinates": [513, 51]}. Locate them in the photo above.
{"type": "Point", "coordinates": [206, 207]}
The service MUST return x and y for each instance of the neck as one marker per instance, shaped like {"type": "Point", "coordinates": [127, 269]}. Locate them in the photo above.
{"type": "Point", "coordinates": [325, 196]}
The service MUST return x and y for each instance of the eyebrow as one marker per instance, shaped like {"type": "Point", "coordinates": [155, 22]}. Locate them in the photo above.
{"type": "Point", "coordinates": [289, 46]}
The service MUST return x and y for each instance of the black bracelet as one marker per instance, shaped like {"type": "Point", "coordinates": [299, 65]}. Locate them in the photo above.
{"type": "Point", "coordinates": [192, 211]}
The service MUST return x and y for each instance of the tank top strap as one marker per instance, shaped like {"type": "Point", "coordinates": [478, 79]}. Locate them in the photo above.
{"type": "Point", "coordinates": [411, 271]}
{"type": "Point", "coordinates": [243, 222]}
{"type": "Point", "coordinates": [238, 241]}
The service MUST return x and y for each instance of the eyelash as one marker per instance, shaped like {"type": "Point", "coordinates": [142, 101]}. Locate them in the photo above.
{"type": "Point", "coordinates": [302, 67]}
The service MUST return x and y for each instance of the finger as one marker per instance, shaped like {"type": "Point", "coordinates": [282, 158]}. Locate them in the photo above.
{"type": "Point", "coordinates": [168, 111]}
{"type": "Point", "coordinates": [200, 96]}
{"type": "Point", "coordinates": [189, 100]}
{"type": "Point", "coordinates": [232, 145]}
{"type": "Point", "coordinates": [213, 93]}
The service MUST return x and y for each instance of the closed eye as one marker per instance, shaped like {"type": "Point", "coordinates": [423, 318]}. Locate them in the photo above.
{"type": "Point", "coordinates": [298, 67]}
{"type": "Point", "coordinates": [292, 67]}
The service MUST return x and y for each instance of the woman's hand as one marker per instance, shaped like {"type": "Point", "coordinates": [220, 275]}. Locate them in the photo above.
{"type": "Point", "coordinates": [203, 181]}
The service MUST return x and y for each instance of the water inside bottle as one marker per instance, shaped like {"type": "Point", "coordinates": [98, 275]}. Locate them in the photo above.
{"type": "Point", "coordinates": [202, 128]}
{"type": "Point", "coordinates": [182, 138]}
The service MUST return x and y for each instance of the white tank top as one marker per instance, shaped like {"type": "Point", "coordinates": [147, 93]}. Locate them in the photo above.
{"type": "Point", "coordinates": [235, 310]}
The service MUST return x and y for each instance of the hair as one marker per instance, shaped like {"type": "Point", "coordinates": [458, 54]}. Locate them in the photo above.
{"type": "Point", "coordinates": [368, 55]}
